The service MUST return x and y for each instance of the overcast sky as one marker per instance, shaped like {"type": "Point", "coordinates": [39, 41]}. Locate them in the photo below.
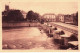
{"type": "Point", "coordinates": [44, 7]}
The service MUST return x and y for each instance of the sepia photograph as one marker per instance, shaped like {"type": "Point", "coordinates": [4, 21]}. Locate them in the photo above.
{"type": "Point", "coordinates": [40, 25]}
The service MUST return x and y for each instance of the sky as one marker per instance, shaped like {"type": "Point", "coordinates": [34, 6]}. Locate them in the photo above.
{"type": "Point", "coordinates": [44, 7]}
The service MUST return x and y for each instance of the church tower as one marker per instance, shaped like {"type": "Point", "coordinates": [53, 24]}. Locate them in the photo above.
{"type": "Point", "coordinates": [6, 7]}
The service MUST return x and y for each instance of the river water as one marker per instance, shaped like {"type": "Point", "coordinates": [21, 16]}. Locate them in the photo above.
{"type": "Point", "coordinates": [26, 38]}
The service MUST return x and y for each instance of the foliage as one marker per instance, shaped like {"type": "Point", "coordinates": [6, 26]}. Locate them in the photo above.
{"type": "Point", "coordinates": [32, 16]}
{"type": "Point", "coordinates": [13, 15]}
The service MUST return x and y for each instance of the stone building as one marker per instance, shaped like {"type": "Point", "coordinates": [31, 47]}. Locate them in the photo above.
{"type": "Point", "coordinates": [60, 18]}
{"type": "Point", "coordinates": [64, 18]}
{"type": "Point", "coordinates": [68, 18]}
{"type": "Point", "coordinates": [5, 12]}
{"type": "Point", "coordinates": [49, 17]}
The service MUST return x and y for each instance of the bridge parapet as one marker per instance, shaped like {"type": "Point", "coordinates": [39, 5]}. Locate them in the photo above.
{"type": "Point", "coordinates": [66, 28]}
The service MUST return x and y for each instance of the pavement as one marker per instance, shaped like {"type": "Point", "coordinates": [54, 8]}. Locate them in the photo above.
{"type": "Point", "coordinates": [66, 25]}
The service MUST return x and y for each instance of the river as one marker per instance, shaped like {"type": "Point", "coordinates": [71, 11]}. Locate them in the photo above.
{"type": "Point", "coordinates": [26, 38]}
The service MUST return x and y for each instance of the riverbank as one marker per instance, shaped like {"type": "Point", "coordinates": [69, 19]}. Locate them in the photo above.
{"type": "Point", "coordinates": [22, 24]}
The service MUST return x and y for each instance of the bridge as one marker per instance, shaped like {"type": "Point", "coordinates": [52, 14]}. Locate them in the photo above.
{"type": "Point", "coordinates": [66, 27]}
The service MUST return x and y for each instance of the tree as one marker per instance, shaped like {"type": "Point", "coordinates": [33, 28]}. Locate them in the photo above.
{"type": "Point", "coordinates": [29, 15]}
{"type": "Point", "coordinates": [14, 15]}
{"type": "Point", "coordinates": [32, 16]}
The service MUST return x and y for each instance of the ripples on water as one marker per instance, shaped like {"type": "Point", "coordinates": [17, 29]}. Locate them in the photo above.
{"type": "Point", "coordinates": [25, 38]}
{"type": "Point", "coordinates": [20, 32]}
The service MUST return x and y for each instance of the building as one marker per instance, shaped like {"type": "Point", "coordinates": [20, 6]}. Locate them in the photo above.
{"type": "Point", "coordinates": [6, 11]}
{"type": "Point", "coordinates": [60, 18]}
{"type": "Point", "coordinates": [68, 18]}
{"type": "Point", "coordinates": [6, 8]}
{"type": "Point", "coordinates": [49, 17]}
{"type": "Point", "coordinates": [64, 18]}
